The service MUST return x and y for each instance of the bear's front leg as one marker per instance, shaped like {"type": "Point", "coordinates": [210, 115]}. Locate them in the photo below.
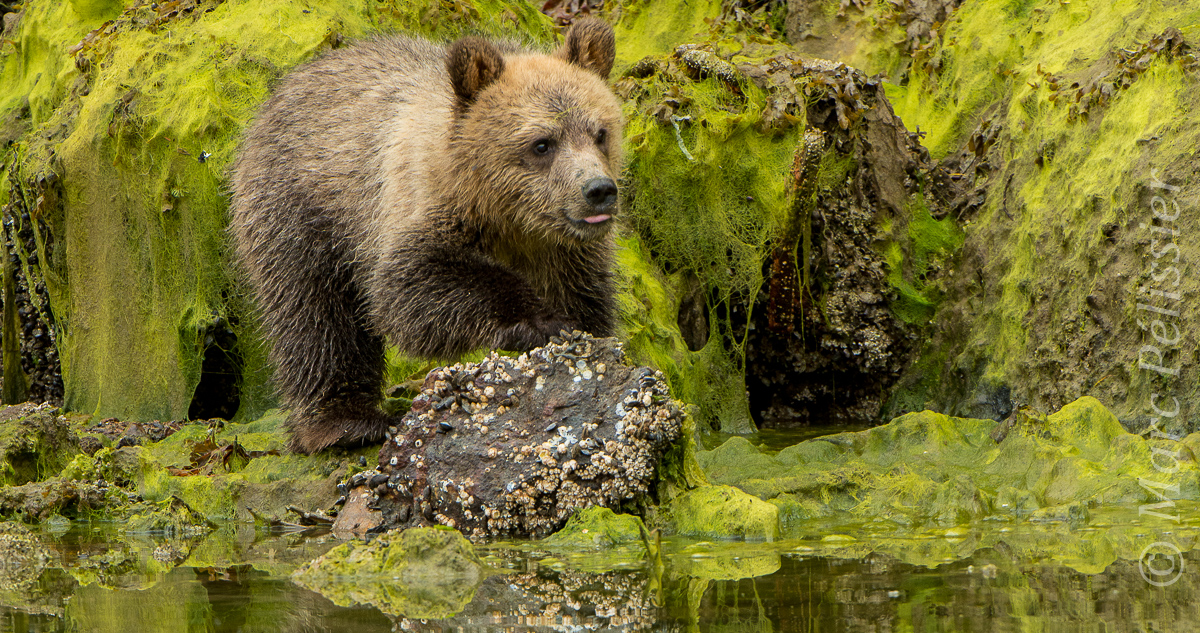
{"type": "Point", "coordinates": [438, 301]}
{"type": "Point", "coordinates": [329, 366]}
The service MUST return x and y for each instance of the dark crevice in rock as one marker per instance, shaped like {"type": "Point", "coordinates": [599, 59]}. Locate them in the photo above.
{"type": "Point", "coordinates": [218, 395]}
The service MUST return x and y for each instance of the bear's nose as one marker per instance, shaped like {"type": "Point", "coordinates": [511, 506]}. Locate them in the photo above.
{"type": "Point", "coordinates": [601, 193]}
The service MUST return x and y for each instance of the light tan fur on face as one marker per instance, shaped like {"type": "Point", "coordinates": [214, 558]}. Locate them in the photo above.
{"type": "Point", "coordinates": [537, 97]}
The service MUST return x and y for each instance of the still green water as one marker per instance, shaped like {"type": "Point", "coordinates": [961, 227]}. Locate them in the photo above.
{"type": "Point", "coordinates": [1104, 568]}
{"type": "Point", "coordinates": [237, 579]}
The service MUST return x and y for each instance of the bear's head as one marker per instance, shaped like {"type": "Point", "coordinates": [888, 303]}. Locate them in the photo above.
{"type": "Point", "coordinates": [536, 139]}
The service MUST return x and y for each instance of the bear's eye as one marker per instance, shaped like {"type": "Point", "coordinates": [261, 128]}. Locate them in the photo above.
{"type": "Point", "coordinates": [543, 146]}
{"type": "Point", "coordinates": [601, 136]}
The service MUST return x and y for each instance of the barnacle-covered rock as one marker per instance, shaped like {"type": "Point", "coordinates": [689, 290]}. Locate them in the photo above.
{"type": "Point", "coordinates": [513, 446]}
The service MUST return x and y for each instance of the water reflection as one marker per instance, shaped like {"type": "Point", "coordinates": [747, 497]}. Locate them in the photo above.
{"type": "Point", "coordinates": [84, 583]}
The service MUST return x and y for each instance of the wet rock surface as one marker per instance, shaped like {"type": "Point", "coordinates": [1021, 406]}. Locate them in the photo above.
{"type": "Point", "coordinates": [513, 446]}
{"type": "Point", "coordinates": [35, 440]}
{"type": "Point", "coordinates": [40, 500]}
{"type": "Point", "coordinates": [126, 433]}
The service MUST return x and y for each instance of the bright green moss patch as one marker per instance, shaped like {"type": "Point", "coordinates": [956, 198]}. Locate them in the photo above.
{"type": "Point", "coordinates": [594, 539]}
{"type": "Point", "coordinates": [596, 528]}
{"type": "Point", "coordinates": [931, 469]}
{"type": "Point", "coordinates": [652, 28]}
{"type": "Point", "coordinates": [929, 244]}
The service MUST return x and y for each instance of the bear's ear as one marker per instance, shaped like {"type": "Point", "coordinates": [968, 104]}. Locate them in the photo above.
{"type": "Point", "coordinates": [473, 64]}
{"type": "Point", "coordinates": [591, 46]}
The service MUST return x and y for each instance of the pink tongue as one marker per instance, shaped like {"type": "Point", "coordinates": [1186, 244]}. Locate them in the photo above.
{"type": "Point", "coordinates": [596, 219]}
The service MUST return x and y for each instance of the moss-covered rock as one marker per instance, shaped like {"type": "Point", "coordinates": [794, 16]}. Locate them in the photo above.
{"type": "Point", "coordinates": [786, 236]}
{"type": "Point", "coordinates": [1074, 127]}
{"type": "Point", "coordinates": [597, 528]}
{"type": "Point", "coordinates": [722, 512]}
{"type": "Point", "coordinates": [36, 441]}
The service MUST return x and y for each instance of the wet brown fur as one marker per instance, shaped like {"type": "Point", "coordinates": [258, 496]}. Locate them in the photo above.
{"type": "Point", "coordinates": [391, 191]}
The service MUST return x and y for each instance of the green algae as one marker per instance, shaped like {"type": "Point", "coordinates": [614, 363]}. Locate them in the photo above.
{"type": "Point", "coordinates": [713, 145]}
{"type": "Point", "coordinates": [594, 540]}
{"type": "Point", "coordinates": [419, 573]}
{"type": "Point", "coordinates": [928, 469]}
{"type": "Point", "coordinates": [918, 248]}
{"type": "Point", "coordinates": [1046, 298]}
{"type": "Point", "coordinates": [267, 484]}
{"type": "Point", "coordinates": [723, 512]}
{"type": "Point", "coordinates": [653, 28]}
{"type": "Point", "coordinates": [708, 193]}
{"type": "Point", "coordinates": [35, 442]}
{"type": "Point", "coordinates": [183, 485]}
{"type": "Point", "coordinates": [596, 528]}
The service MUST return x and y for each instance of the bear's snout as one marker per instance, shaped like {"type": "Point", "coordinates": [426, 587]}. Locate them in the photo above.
{"type": "Point", "coordinates": [601, 194]}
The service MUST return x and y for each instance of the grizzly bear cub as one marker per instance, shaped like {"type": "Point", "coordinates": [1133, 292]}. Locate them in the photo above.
{"type": "Point", "coordinates": [443, 199]}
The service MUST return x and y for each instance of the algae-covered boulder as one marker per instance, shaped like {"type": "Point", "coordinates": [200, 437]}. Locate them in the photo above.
{"type": "Point", "coordinates": [596, 528]}
{"type": "Point", "coordinates": [930, 469]}
{"type": "Point", "coordinates": [788, 230]}
{"type": "Point", "coordinates": [1077, 128]}
{"type": "Point", "coordinates": [36, 441]}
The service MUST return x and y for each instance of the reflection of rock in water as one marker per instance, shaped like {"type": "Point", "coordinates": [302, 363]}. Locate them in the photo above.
{"type": "Point", "coordinates": [22, 557]}
{"type": "Point", "coordinates": [513, 446]}
{"type": "Point", "coordinates": [549, 600]}
{"type": "Point", "coordinates": [418, 573]}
